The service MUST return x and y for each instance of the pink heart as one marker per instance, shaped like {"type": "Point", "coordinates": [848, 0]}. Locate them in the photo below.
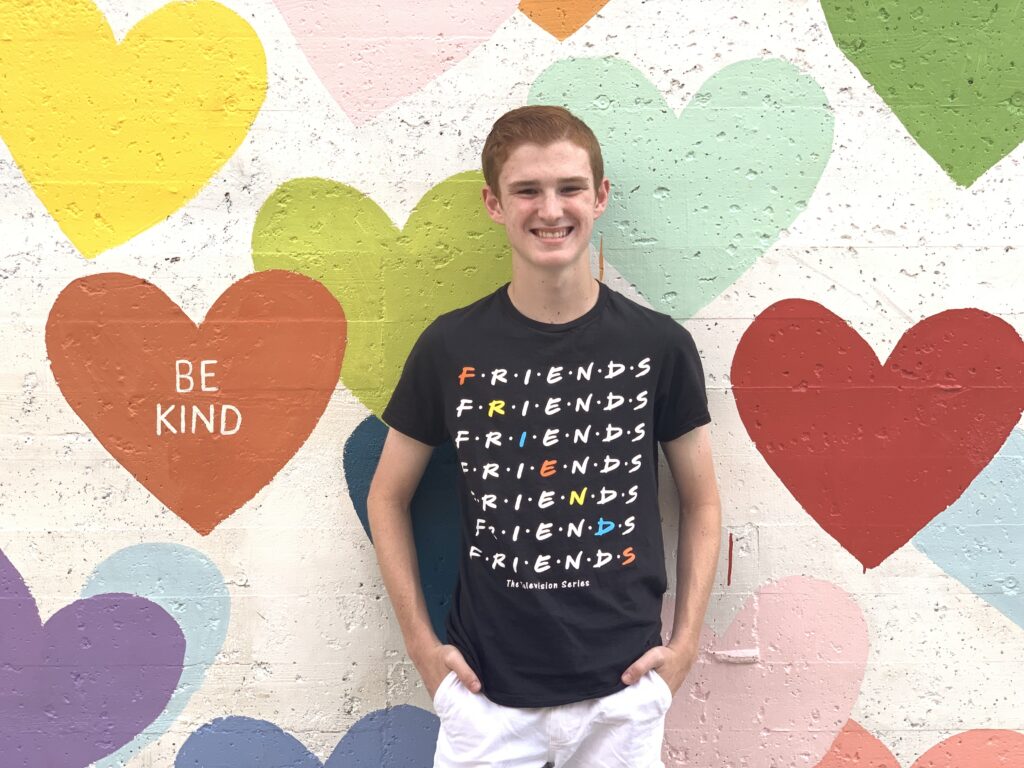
{"type": "Point", "coordinates": [372, 53]}
{"type": "Point", "coordinates": [778, 686]}
{"type": "Point", "coordinates": [856, 748]}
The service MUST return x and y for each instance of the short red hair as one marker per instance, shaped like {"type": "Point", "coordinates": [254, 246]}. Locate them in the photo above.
{"type": "Point", "coordinates": [542, 125]}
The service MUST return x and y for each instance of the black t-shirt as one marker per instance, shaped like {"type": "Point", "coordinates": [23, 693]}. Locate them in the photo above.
{"type": "Point", "coordinates": [556, 427]}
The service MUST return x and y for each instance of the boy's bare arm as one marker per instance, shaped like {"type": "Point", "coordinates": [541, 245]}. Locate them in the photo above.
{"type": "Point", "coordinates": [700, 522]}
{"type": "Point", "coordinates": [398, 474]}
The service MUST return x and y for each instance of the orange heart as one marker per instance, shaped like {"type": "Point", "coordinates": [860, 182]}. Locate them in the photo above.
{"type": "Point", "coordinates": [856, 748]}
{"type": "Point", "coordinates": [561, 17]}
{"type": "Point", "coordinates": [203, 416]}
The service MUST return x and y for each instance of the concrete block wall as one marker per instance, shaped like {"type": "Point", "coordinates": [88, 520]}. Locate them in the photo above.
{"type": "Point", "coordinates": [223, 224]}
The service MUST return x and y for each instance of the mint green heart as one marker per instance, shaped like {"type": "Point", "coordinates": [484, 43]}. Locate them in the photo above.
{"type": "Point", "coordinates": [947, 69]}
{"type": "Point", "coordinates": [696, 199]}
{"type": "Point", "coordinates": [392, 283]}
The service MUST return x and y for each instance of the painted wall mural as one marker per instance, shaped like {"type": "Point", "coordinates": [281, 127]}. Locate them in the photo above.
{"type": "Point", "coordinates": [826, 415]}
{"type": "Point", "coordinates": [562, 18]}
{"type": "Point", "coordinates": [699, 196]}
{"type": "Point", "coordinates": [392, 282]}
{"type": "Point", "coordinates": [305, 176]}
{"type": "Point", "coordinates": [435, 508]}
{"type": "Point", "coordinates": [87, 680]}
{"type": "Point", "coordinates": [397, 736]}
{"type": "Point", "coordinates": [114, 136]}
{"type": "Point", "coordinates": [778, 685]}
{"type": "Point", "coordinates": [203, 416]}
{"type": "Point", "coordinates": [949, 71]}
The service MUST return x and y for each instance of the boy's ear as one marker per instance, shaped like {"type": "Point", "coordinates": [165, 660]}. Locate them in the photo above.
{"type": "Point", "coordinates": [492, 203]}
{"type": "Point", "coordinates": [601, 198]}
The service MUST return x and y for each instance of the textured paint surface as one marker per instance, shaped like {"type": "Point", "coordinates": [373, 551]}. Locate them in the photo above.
{"type": "Point", "coordinates": [561, 17]}
{"type": "Point", "coordinates": [950, 71]}
{"type": "Point", "coordinates": [392, 282]}
{"type": "Point", "coordinates": [398, 737]}
{"type": "Point", "coordinates": [979, 540]}
{"type": "Point", "coordinates": [698, 197]}
{"type": "Point", "coordinates": [856, 748]}
{"type": "Point", "coordinates": [750, 162]}
{"type": "Point", "coordinates": [85, 682]}
{"type": "Point", "coordinates": [115, 136]}
{"type": "Point", "coordinates": [203, 416]}
{"type": "Point", "coordinates": [370, 54]}
{"type": "Point", "coordinates": [187, 585]}
{"type": "Point", "coordinates": [777, 687]}
{"type": "Point", "coordinates": [435, 518]}
{"type": "Point", "coordinates": [874, 451]}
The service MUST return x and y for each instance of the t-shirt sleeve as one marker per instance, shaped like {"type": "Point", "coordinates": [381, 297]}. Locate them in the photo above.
{"type": "Point", "coordinates": [681, 401]}
{"type": "Point", "coordinates": [416, 407]}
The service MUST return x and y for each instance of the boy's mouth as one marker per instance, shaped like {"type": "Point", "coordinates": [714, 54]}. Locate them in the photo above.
{"type": "Point", "coordinates": [552, 233]}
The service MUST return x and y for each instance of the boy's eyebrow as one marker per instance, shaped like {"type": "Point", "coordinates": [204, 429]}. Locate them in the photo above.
{"type": "Point", "coordinates": [534, 183]}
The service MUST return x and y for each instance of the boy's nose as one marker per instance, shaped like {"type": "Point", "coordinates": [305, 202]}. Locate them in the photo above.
{"type": "Point", "coordinates": [550, 206]}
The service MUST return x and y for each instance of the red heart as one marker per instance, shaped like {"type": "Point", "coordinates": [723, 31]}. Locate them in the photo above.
{"type": "Point", "coordinates": [856, 748]}
{"type": "Point", "coordinates": [277, 339]}
{"type": "Point", "coordinates": [874, 452]}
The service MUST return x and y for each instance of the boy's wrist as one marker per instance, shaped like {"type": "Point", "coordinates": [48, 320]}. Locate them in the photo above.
{"type": "Point", "coordinates": [421, 649]}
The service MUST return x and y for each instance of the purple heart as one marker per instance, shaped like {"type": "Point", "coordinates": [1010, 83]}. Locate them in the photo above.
{"type": "Point", "coordinates": [88, 681]}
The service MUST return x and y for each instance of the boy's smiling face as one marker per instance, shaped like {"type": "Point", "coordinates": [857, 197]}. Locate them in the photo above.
{"type": "Point", "coordinates": [548, 203]}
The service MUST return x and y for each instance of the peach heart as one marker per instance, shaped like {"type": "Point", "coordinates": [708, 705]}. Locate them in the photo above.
{"type": "Point", "coordinates": [778, 686]}
{"type": "Point", "coordinates": [857, 748]}
{"type": "Point", "coordinates": [562, 17]}
{"type": "Point", "coordinates": [203, 416]}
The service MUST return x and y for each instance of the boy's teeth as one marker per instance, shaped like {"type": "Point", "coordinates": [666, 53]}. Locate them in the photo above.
{"type": "Point", "coordinates": [555, 234]}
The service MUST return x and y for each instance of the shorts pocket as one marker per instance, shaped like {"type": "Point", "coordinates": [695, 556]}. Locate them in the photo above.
{"type": "Point", "coordinates": [665, 693]}
{"type": "Point", "coordinates": [440, 700]}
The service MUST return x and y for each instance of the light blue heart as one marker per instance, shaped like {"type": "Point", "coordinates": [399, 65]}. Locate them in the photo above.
{"type": "Point", "coordinates": [979, 539]}
{"type": "Point", "coordinates": [191, 589]}
{"type": "Point", "coordinates": [696, 199]}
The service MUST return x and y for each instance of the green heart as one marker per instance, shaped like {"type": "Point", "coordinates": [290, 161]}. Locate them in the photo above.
{"type": "Point", "coordinates": [698, 198]}
{"type": "Point", "coordinates": [948, 71]}
{"type": "Point", "coordinates": [392, 283]}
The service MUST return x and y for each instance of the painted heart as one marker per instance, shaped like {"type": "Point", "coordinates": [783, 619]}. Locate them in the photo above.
{"type": "Point", "coordinates": [392, 282]}
{"type": "Point", "coordinates": [978, 539]}
{"type": "Point", "coordinates": [777, 686]}
{"type": "Point", "coordinates": [856, 748]}
{"type": "Point", "coordinates": [187, 585]}
{"type": "Point", "coordinates": [947, 70]}
{"type": "Point", "coordinates": [87, 681]}
{"type": "Point", "coordinates": [696, 199]}
{"type": "Point", "coordinates": [114, 137]}
{"type": "Point", "coordinates": [371, 55]}
{"type": "Point", "coordinates": [435, 516]}
{"type": "Point", "coordinates": [873, 452]}
{"type": "Point", "coordinates": [562, 17]}
{"type": "Point", "coordinates": [397, 737]}
{"type": "Point", "coordinates": [203, 416]}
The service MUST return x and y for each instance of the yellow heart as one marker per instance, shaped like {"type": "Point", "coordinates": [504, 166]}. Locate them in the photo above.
{"type": "Point", "coordinates": [115, 137]}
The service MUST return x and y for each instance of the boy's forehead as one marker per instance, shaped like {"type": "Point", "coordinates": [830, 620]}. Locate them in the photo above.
{"type": "Point", "coordinates": [560, 161]}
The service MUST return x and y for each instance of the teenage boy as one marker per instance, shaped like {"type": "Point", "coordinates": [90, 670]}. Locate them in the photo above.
{"type": "Point", "coordinates": [556, 391]}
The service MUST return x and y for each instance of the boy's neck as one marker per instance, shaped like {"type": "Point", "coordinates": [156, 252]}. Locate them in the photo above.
{"type": "Point", "coordinates": [553, 297]}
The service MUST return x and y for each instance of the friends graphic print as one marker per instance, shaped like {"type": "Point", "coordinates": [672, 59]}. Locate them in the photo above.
{"type": "Point", "coordinates": [556, 430]}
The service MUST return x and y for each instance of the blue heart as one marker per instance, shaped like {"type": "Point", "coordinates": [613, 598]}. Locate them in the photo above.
{"type": "Point", "coordinates": [397, 737]}
{"type": "Point", "coordinates": [435, 512]}
{"type": "Point", "coordinates": [979, 539]}
{"type": "Point", "coordinates": [187, 585]}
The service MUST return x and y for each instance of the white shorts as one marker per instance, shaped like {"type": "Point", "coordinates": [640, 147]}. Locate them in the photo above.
{"type": "Point", "coordinates": [621, 730]}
